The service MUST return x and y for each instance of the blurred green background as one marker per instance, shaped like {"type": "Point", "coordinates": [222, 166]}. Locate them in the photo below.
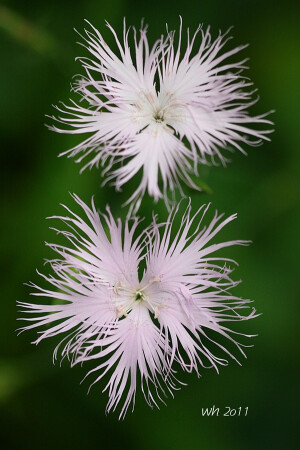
{"type": "Point", "coordinates": [43, 406]}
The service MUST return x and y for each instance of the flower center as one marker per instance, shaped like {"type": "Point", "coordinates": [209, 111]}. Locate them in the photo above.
{"type": "Point", "coordinates": [126, 298]}
{"type": "Point", "coordinates": [139, 296]}
{"type": "Point", "coordinates": [158, 116]}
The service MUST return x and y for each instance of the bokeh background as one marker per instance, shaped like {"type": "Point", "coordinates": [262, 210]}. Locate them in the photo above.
{"type": "Point", "coordinates": [43, 406]}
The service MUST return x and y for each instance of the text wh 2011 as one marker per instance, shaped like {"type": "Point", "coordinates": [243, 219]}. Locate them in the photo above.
{"type": "Point", "coordinates": [228, 411]}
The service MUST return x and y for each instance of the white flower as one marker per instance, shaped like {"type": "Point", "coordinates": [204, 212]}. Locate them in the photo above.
{"type": "Point", "coordinates": [160, 112]}
{"type": "Point", "coordinates": [139, 324]}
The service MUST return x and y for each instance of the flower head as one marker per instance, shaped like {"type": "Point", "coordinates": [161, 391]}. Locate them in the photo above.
{"type": "Point", "coordinates": [162, 111]}
{"type": "Point", "coordinates": [138, 323]}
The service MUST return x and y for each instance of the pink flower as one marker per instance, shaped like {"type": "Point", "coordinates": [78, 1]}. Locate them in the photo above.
{"type": "Point", "coordinates": [160, 111]}
{"type": "Point", "coordinates": [134, 323]}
